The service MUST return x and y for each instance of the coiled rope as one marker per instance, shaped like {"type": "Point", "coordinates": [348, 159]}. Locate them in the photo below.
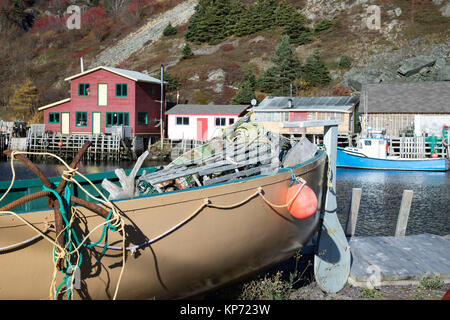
{"type": "Point", "coordinates": [71, 250]}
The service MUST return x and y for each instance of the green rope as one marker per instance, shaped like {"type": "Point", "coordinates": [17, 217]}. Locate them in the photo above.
{"type": "Point", "coordinates": [65, 205]}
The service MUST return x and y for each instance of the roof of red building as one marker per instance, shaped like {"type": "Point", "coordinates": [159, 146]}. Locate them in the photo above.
{"type": "Point", "coordinates": [133, 75]}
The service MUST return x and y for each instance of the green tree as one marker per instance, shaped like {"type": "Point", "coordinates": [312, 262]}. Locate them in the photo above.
{"type": "Point", "coordinates": [245, 24]}
{"type": "Point", "coordinates": [246, 91]}
{"type": "Point", "coordinates": [322, 25]}
{"type": "Point", "coordinates": [344, 62]}
{"type": "Point", "coordinates": [187, 52]}
{"type": "Point", "coordinates": [283, 13]}
{"type": "Point", "coordinates": [235, 14]}
{"type": "Point", "coordinates": [277, 79]}
{"type": "Point", "coordinates": [198, 16]}
{"type": "Point", "coordinates": [208, 24]}
{"type": "Point", "coordinates": [315, 72]}
{"type": "Point", "coordinates": [297, 29]}
{"type": "Point", "coordinates": [265, 14]}
{"type": "Point", "coordinates": [170, 30]}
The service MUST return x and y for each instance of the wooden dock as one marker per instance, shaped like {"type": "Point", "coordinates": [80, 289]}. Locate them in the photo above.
{"type": "Point", "coordinates": [398, 259]}
{"type": "Point", "coordinates": [104, 146]}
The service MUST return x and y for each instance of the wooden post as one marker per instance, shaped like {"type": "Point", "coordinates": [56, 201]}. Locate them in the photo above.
{"type": "Point", "coordinates": [354, 209]}
{"type": "Point", "coordinates": [403, 215]}
{"type": "Point", "coordinates": [332, 258]}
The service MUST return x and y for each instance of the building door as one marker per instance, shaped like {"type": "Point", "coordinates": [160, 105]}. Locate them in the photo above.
{"type": "Point", "coordinates": [65, 123]}
{"type": "Point", "coordinates": [102, 92]}
{"type": "Point", "coordinates": [96, 123]}
{"type": "Point", "coordinates": [202, 128]}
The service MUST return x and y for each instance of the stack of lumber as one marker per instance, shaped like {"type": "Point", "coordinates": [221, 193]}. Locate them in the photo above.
{"type": "Point", "coordinates": [232, 161]}
{"type": "Point", "coordinates": [243, 150]}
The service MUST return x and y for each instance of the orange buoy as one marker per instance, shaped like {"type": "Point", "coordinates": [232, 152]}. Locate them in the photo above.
{"type": "Point", "coordinates": [305, 203]}
{"type": "Point", "coordinates": [434, 155]}
{"type": "Point", "coordinates": [60, 144]}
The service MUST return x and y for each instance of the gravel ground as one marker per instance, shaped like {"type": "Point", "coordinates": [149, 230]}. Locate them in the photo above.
{"type": "Point", "coordinates": [307, 288]}
{"type": "Point", "coordinates": [410, 292]}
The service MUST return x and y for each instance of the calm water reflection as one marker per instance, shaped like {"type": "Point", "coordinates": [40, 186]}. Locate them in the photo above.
{"type": "Point", "coordinates": [381, 198]}
{"type": "Point", "coordinates": [380, 201]}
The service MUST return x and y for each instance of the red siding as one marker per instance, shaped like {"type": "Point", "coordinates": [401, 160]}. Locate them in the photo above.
{"type": "Point", "coordinates": [56, 127]}
{"type": "Point", "coordinates": [138, 100]}
{"type": "Point", "coordinates": [145, 102]}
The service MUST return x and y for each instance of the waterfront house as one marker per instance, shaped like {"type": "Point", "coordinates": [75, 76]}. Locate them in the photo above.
{"type": "Point", "coordinates": [104, 97]}
{"type": "Point", "coordinates": [275, 110]}
{"type": "Point", "coordinates": [201, 122]}
{"type": "Point", "coordinates": [410, 108]}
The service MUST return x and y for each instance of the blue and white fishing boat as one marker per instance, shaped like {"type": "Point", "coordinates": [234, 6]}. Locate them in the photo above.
{"type": "Point", "coordinates": [373, 154]}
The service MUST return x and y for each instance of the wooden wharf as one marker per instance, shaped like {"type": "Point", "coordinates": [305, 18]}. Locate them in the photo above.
{"type": "Point", "coordinates": [398, 259]}
{"type": "Point", "coordinates": [104, 146]}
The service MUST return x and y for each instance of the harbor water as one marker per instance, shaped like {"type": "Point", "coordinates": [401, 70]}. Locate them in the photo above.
{"type": "Point", "coordinates": [380, 200]}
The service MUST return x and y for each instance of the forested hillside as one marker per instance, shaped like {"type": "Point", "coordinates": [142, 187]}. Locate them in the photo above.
{"type": "Point", "coordinates": [218, 51]}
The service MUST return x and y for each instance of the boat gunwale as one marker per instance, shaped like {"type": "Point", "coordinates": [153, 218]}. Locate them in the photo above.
{"type": "Point", "coordinates": [351, 153]}
{"type": "Point", "coordinates": [320, 154]}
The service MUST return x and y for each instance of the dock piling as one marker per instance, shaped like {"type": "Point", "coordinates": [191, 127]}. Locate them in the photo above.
{"type": "Point", "coordinates": [354, 209]}
{"type": "Point", "coordinates": [403, 215]}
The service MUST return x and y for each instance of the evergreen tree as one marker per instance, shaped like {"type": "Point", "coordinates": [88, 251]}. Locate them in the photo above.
{"type": "Point", "coordinates": [283, 13]}
{"type": "Point", "coordinates": [246, 23]}
{"type": "Point", "coordinates": [297, 30]}
{"type": "Point", "coordinates": [244, 95]}
{"type": "Point", "coordinates": [234, 15]}
{"type": "Point", "coordinates": [187, 52]}
{"type": "Point", "coordinates": [208, 22]}
{"type": "Point", "coordinates": [315, 72]}
{"type": "Point", "coordinates": [345, 62]}
{"type": "Point", "coordinates": [277, 79]}
{"type": "Point", "coordinates": [322, 25]}
{"type": "Point", "coordinates": [196, 19]}
{"type": "Point", "coordinates": [170, 30]}
{"type": "Point", "coordinates": [265, 14]}
{"type": "Point", "coordinates": [247, 88]}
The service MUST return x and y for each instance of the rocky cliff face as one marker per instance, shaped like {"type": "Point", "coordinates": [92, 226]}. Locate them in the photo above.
{"type": "Point", "coordinates": [403, 49]}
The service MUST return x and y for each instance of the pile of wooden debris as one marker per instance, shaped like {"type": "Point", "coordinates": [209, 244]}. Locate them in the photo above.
{"type": "Point", "coordinates": [243, 150]}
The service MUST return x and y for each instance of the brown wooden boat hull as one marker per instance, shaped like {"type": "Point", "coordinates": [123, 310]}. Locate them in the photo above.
{"type": "Point", "coordinates": [215, 247]}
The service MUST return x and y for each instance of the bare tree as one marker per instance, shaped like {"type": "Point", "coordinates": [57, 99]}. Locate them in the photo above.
{"type": "Point", "coordinates": [115, 6]}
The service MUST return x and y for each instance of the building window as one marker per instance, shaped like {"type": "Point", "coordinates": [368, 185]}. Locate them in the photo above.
{"type": "Point", "coordinates": [117, 119]}
{"type": "Point", "coordinates": [183, 121]}
{"type": "Point", "coordinates": [81, 119]}
{"type": "Point", "coordinates": [267, 116]}
{"type": "Point", "coordinates": [220, 122]}
{"type": "Point", "coordinates": [230, 121]}
{"type": "Point", "coordinates": [258, 116]}
{"type": "Point", "coordinates": [276, 117]}
{"type": "Point", "coordinates": [53, 117]}
{"type": "Point", "coordinates": [142, 118]}
{"type": "Point", "coordinates": [84, 89]}
{"type": "Point", "coordinates": [153, 91]}
{"type": "Point", "coordinates": [121, 90]}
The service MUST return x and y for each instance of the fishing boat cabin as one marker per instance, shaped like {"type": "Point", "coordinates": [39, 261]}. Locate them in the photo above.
{"type": "Point", "coordinates": [201, 122]}
{"type": "Point", "coordinates": [104, 97]}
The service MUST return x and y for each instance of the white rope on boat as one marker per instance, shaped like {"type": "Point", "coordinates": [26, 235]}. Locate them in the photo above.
{"type": "Point", "coordinates": [207, 203]}
{"type": "Point", "coordinates": [20, 244]}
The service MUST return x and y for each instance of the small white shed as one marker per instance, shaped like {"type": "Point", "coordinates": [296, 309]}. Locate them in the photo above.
{"type": "Point", "coordinates": [201, 122]}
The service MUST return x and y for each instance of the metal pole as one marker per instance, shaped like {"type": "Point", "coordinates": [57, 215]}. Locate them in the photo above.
{"type": "Point", "coordinates": [161, 114]}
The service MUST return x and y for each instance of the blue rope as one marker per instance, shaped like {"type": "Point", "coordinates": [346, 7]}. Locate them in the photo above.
{"type": "Point", "coordinates": [65, 205]}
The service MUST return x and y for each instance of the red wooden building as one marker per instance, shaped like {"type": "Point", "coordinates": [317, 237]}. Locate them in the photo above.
{"type": "Point", "coordinates": [104, 97]}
